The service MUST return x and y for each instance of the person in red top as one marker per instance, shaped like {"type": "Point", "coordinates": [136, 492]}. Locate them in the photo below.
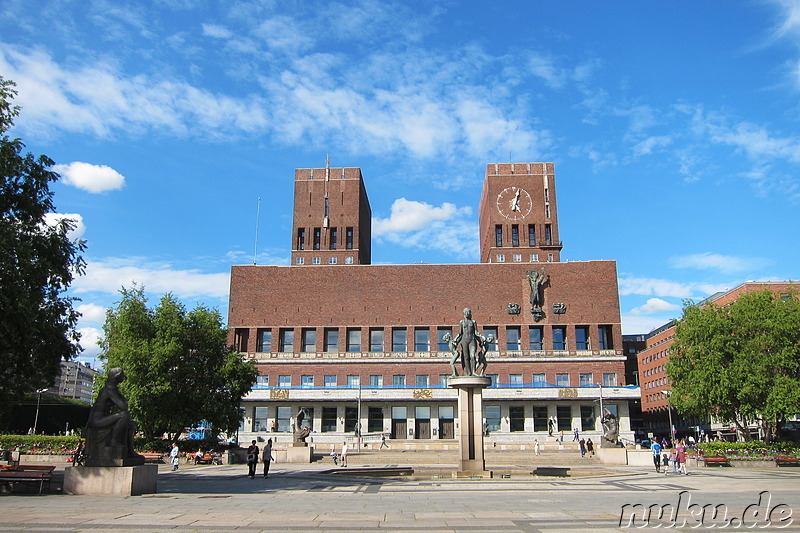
{"type": "Point", "coordinates": [680, 451]}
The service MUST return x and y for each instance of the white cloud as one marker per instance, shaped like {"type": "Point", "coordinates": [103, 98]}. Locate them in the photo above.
{"type": "Point", "coordinates": [637, 325]}
{"type": "Point", "coordinates": [111, 274]}
{"type": "Point", "coordinates": [51, 219]}
{"type": "Point", "coordinates": [409, 215]}
{"type": "Point", "coordinates": [658, 287]}
{"type": "Point", "coordinates": [89, 342]}
{"type": "Point", "coordinates": [723, 263]}
{"type": "Point", "coordinates": [653, 306]}
{"type": "Point", "coordinates": [91, 313]}
{"type": "Point", "coordinates": [91, 178]}
{"type": "Point", "coordinates": [650, 144]}
{"type": "Point", "coordinates": [216, 31]}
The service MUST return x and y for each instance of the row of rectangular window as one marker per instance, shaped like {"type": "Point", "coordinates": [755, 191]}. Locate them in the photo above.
{"type": "Point", "coordinates": [498, 235]}
{"type": "Point", "coordinates": [609, 379]}
{"type": "Point", "coordinates": [558, 339]}
{"type": "Point", "coordinates": [318, 260]}
{"type": "Point", "coordinates": [333, 238]}
{"type": "Point", "coordinates": [517, 258]}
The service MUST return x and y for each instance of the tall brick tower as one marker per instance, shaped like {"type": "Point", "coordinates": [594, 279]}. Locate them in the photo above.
{"type": "Point", "coordinates": [518, 214]}
{"type": "Point", "coordinates": [332, 218]}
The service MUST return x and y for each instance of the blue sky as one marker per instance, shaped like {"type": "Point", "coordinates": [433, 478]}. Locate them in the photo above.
{"type": "Point", "coordinates": [673, 127]}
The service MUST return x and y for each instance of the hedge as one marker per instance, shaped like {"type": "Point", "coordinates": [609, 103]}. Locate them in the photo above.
{"type": "Point", "coordinates": [46, 444]}
{"type": "Point", "coordinates": [755, 449]}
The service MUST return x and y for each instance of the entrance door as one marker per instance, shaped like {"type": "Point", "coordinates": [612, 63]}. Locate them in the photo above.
{"type": "Point", "coordinates": [399, 429]}
{"type": "Point", "coordinates": [423, 429]}
{"type": "Point", "coordinates": [447, 429]}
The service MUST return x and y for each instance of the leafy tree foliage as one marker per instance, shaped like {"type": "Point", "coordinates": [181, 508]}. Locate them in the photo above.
{"type": "Point", "coordinates": [739, 362]}
{"type": "Point", "coordinates": [37, 264]}
{"type": "Point", "coordinates": [178, 369]}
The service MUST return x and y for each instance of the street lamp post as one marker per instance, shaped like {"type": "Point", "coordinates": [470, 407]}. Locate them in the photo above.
{"type": "Point", "coordinates": [668, 393]}
{"type": "Point", "coordinates": [38, 404]}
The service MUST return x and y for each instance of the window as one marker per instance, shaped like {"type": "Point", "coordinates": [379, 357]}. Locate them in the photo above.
{"type": "Point", "coordinates": [538, 380]}
{"type": "Point", "coordinates": [514, 235]}
{"type": "Point", "coordinates": [498, 235]}
{"type": "Point", "coordinates": [492, 418]}
{"type": "Point", "coordinates": [516, 418]}
{"type": "Point", "coordinates": [317, 236]}
{"type": "Point", "coordinates": [316, 261]}
{"type": "Point", "coordinates": [242, 413]}
{"type": "Point", "coordinates": [331, 340]}
{"type": "Point", "coordinates": [332, 261]}
{"type": "Point", "coordinates": [422, 340]}
{"type": "Point", "coordinates": [262, 381]}
{"type": "Point", "coordinates": [284, 418]}
{"type": "Point", "coordinates": [328, 419]}
{"type": "Point", "coordinates": [515, 379]}
{"type": "Point", "coordinates": [581, 337]}
{"type": "Point", "coordinates": [353, 381]}
{"type": "Point", "coordinates": [241, 339]}
{"type": "Point", "coordinates": [334, 238]}
{"type": "Point", "coordinates": [309, 340]}
{"type": "Point", "coordinates": [501, 258]}
{"type": "Point", "coordinates": [531, 234]}
{"type": "Point", "coordinates": [306, 381]}
{"type": "Point", "coordinates": [551, 257]}
{"type": "Point", "coordinates": [375, 381]}
{"type": "Point", "coordinates": [517, 258]}
{"type": "Point", "coordinates": [422, 381]}
{"type": "Point", "coordinates": [540, 418]}
{"type": "Point", "coordinates": [443, 379]}
{"type": "Point", "coordinates": [564, 417]}
{"type": "Point", "coordinates": [585, 378]}
{"type": "Point", "coordinates": [353, 339]}
{"type": "Point", "coordinates": [609, 379]}
{"type": "Point", "coordinates": [348, 238]}
{"type": "Point", "coordinates": [587, 418]}
{"type": "Point", "coordinates": [536, 334]}
{"type": "Point", "coordinates": [348, 260]}
{"type": "Point", "coordinates": [301, 238]}
{"type": "Point", "coordinates": [375, 420]}
{"type": "Point", "coordinates": [375, 340]}
{"type": "Point", "coordinates": [562, 380]}
{"type": "Point", "coordinates": [440, 343]}
{"type": "Point", "coordinates": [547, 211]}
{"type": "Point", "coordinates": [330, 381]}
{"type": "Point", "coordinates": [264, 340]}
{"type": "Point", "coordinates": [559, 337]}
{"type": "Point", "coordinates": [534, 258]}
{"type": "Point", "coordinates": [350, 419]}
{"type": "Point", "coordinates": [548, 234]}
{"type": "Point", "coordinates": [286, 340]}
{"type": "Point", "coordinates": [495, 379]}
{"type": "Point", "coordinates": [398, 339]}
{"type": "Point", "coordinates": [300, 261]}
{"type": "Point", "coordinates": [446, 412]}
{"type": "Point", "coordinates": [605, 338]}
{"type": "Point", "coordinates": [398, 380]}
{"type": "Point", "coordinates": [260, 419]}
{"type": "Point", "coordinates": [284, 381]}
{"type": "Point", "coordinates": [512, 338]}
{"type": "Point", "coordinates": [491, 330]}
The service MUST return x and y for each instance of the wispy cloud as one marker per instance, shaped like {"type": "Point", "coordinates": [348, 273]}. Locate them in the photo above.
{"type": "Point", "coordinates": [666, 288]}
{"type": "Point", "coordinates": [90, 178]}
{"type": "Point", "coordinates": [77, 231]}
{"type": "Point", "coordinates": [91, 313]}
{"type": "Point", "coordinates": [654, 306]}
{"type": "Point", "coordinates": [723, 263]}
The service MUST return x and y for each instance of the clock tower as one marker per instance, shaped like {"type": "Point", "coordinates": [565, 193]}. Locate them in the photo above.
{"type": "Point", "coordinates": [518, 214]}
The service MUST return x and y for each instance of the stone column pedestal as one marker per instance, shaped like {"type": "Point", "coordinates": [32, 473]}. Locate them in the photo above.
{"type": "Point", "coordinates": [470, 427]}
{"type": "Point", "coordinates": [111, 480]}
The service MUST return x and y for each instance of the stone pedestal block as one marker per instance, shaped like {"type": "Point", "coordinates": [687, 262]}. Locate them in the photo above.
{"type": "Point", "coordinates": [298, 454]}
{"type": "Point", "coordinates": [470, 430]}
{"type": "Point", "coordinates": [111, 480]}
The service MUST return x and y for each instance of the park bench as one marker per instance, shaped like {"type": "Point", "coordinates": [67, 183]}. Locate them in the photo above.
{"type": "Point", "coordinates": [208, 459]}
{"type": "Point", "coordinates": [786, 460]}
{"type": "Point", "coordinates": [153, 457]}
{"type": "Point", "coordinates": [715, 460]}
{"type": "Point", "coordinates": [33, 474]}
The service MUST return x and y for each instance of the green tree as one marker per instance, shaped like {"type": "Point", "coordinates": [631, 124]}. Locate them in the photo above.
{"type": "Point", "coordinates": [739, 362]}
{"type": "Point", "coordinates": [178, 367]}
{"type": "Point", "coordinates": [37, 264]}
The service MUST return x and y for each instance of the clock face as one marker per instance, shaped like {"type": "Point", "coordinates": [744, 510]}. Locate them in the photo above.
{"type": "Point", "coordinates": [514, 203]}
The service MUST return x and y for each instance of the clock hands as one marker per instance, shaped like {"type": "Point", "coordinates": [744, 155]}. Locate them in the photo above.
{"type": "Point", "coordinates": [515, 202]}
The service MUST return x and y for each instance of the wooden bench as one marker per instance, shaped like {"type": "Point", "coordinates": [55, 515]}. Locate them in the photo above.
{"type": "Point", "coordinates": [153, 457]}
{"type": "Point", "coordinates": [206, 459]}
{"type": "Point", "coordinates": [786, 460]}
{"type": "Point", "coordinates": [28, 474]}
{"type": "Point", "coordinates": [715, 460]}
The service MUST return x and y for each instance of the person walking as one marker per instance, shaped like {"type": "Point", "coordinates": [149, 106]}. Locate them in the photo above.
{"type": "Point", "coordinates": [383, 442]}
{"type": "Point", "coordinates": [590, 446]}
{"type": "Point", "coordinates": [252, 460]}
{"type": "Point", "coordinates": [173, 456]}
{"type": "Point", "coordinates": [536, 447]}
{"type": "Point", "coordinates": [266, 457]}
{"type": "Point", "coordinates": [344, 454]}
{"type": "Point", "coordinates": [680, 451]}
{"type": "Point", "coordinates": [656, 449]}
{"type": "Point", "coordinates": [575, 435]}
{"type": "Point", "coordinates": [582, 444]}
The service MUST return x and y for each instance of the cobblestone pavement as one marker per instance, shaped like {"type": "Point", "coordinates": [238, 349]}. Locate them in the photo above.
{"type": "Point", "coordinates": [306, 498]}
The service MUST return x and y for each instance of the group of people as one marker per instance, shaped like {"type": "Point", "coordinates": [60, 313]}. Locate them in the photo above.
{"type": "Point", "coordinates": [675, 456]}
{"type": "Point", "coordinates": [266, 457]}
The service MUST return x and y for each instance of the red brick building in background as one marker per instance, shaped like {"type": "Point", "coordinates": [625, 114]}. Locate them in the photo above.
{"type": "Point", "coordinates": [655, 384]}
{"type": "Point", "coordinates": [357, 345]}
